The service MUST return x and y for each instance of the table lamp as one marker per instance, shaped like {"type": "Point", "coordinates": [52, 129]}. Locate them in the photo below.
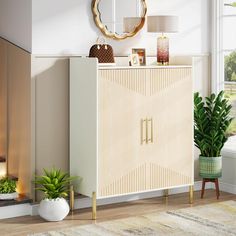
{"type": "Point", "coordinates": [162, 24]}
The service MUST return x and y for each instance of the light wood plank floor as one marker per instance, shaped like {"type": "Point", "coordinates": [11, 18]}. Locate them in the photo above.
{"type": "Point", "coordinates": [27, 225]}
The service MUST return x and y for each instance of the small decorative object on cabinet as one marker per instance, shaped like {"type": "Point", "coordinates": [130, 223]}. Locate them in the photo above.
{"type": "Point", "coordinates": [124, 137]}
{"type": "Point", "coordinates": [134, 60]}
{"type": "Point", "coordinates": [162, 24]}
{"type": "Point", "coordinates": [141, 54]}
{"type": "Point", "coordinates": [55, 185]}
{"type": "Point", "coordinates": [102, 51]}
{"type": "Point", "coordinates": [211, 120]}
{"type": "Point", "coordinates": [8, 189]}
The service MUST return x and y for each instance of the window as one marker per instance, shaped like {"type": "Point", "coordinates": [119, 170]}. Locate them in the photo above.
{"type": "Point", "coordinates": [229, 53]}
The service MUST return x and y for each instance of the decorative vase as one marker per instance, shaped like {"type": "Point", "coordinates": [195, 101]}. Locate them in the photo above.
{"type": "Point", "coordinates": [53, 209]}
{"type": "Point", "coordinates": [210, 167]}
{"type": "Point", "coordinates": [8, 196]}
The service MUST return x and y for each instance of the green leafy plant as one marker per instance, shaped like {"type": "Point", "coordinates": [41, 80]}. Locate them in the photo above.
{"type": "Point", "coordinates": [54, 183]}
{"type": "Point", "coordinates": [211, 120]}
{"type": "Point", "coordinates": [233, 4]}
{"type": "Point", "coordinates": [7, 186]}
{"type": "Point", "coordinates": [230, 66]}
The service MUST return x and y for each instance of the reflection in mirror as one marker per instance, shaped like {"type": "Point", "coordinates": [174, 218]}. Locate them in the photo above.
{"type": "Point", "coordinates": [130, 23]}
{"type": "Point", "coordinates": [119, 19]}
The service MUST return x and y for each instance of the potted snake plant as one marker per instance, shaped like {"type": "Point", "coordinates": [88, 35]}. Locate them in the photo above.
{"type": "Point", "coordinates": [55, 186]}
{"type": "Point", "coordinates": [211, 120]}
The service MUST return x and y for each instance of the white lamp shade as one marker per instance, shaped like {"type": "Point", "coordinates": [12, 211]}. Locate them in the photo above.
{"type": "Point", "coordinates": [162, 24]}
{"type": "Point", "coordinates": [130, 23]}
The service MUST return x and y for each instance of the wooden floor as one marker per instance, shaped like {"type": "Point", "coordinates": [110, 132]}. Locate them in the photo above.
{"type": "Point", "coordinates": [27, 225]}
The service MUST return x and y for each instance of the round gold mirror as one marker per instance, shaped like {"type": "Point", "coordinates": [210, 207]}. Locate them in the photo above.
{"type": "Point", "coordinates": [119, 19]}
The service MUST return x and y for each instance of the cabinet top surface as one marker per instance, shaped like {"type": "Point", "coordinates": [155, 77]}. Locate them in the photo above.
{"type": "Point", "coordinates": [142, 67]}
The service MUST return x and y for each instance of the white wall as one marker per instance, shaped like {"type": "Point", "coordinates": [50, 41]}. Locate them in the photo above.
{"type": "Point", "coordinates": [67, 27]}
{"type": "Point", "coordinates": [16, 22]}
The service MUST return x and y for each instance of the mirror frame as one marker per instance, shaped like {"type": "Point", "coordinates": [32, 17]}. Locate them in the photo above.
{"type": "Point", "coordinates": [106, 32]}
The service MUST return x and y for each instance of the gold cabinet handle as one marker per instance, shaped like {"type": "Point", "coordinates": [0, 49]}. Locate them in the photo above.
{"type": "Point", "coordinates": [144, 139]}
{"type": "Point", "coordinates": [150, 140]}
{"type": "Point", "coordinates": [146, 130]}
{"type": "Point", "coordinates": [152, 130]}
{"type": "Point", "coordinates": [146, 125]}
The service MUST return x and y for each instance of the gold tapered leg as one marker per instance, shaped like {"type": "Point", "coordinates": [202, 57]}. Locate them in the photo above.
{"type": "Point", "coordinates": [72, 198]}
{"type": "Point", "coordinates": [166, 196]}
{"type": "Point", "coordinates": [94, 206]}
{"type": "Point", "coordinates": [191, 191]}
{"type": "Point", "coordinates": [166, 193]}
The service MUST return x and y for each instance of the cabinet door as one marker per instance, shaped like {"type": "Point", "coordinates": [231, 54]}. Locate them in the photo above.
{"type": "Point", "coordinates": [170, 156]}
{"type": "Point", "coordinates": [122, 105]}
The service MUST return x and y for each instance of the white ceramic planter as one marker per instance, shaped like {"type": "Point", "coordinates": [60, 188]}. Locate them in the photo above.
{"type": "Point", "coordinates": [8, 196]}
{"type": "Point", "coordinates": [53, 209]}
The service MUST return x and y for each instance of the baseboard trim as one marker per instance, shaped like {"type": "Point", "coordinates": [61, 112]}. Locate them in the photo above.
{"type": "Point", "coordinates": [229, 188]}
{"type": "Point", "coordinates": [32, 209]}
{"type": "Point", "coordinates": [15, 211]}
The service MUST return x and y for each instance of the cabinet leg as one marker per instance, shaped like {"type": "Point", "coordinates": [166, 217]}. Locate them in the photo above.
{"type": "Point", "coordinates": [72, 198]}
{"type": "Point", "coordinates": [191, 191]}
{"type": "Point", "coordinates": [94, 206]}
{"type": "Point", "coordinates": [166, 193]}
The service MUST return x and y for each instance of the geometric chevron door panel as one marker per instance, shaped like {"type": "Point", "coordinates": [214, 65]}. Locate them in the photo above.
{"type": "Point", "coordinates": [145, 130]}
{"type": "Point", "coordinates": [122, 104]}
{"type": "Point", "coordinates": [171, 109]}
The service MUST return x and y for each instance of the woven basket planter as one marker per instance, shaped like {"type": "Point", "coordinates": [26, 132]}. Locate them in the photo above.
{"type": "Point", "coordinates": [210, 167]}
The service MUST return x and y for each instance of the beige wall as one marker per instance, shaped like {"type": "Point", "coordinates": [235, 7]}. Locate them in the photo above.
{"type": "Point", "coordinates": [3, 98]}
{"type": "Point", "coordinates": [34, 100]}
{"type": "Point", "coordinates": [16, 95]}
{"type": "Point", "coordinates": [19, 117]}
{"type": "Point", "coordinates": [202, 84]}
{"type": "Point", "coordinates": [67, 27]}
{"type": "Point", "coordinates": [51, 80]}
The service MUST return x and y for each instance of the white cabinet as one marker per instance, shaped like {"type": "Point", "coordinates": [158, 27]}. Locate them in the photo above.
{"type": "Point", "coordinates": [131, 128]}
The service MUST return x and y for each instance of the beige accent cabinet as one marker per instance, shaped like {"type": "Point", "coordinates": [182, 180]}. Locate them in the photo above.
{"type": "Point", "coordinates": [131, 128]}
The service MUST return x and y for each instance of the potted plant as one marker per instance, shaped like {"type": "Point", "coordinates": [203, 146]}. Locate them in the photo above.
{"type": "Point", "coordinates": [211, 120]}
{"type": "Point", "coordinates": [8, 189]}
{"type": "Point", "coordinates": [55, 186]}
